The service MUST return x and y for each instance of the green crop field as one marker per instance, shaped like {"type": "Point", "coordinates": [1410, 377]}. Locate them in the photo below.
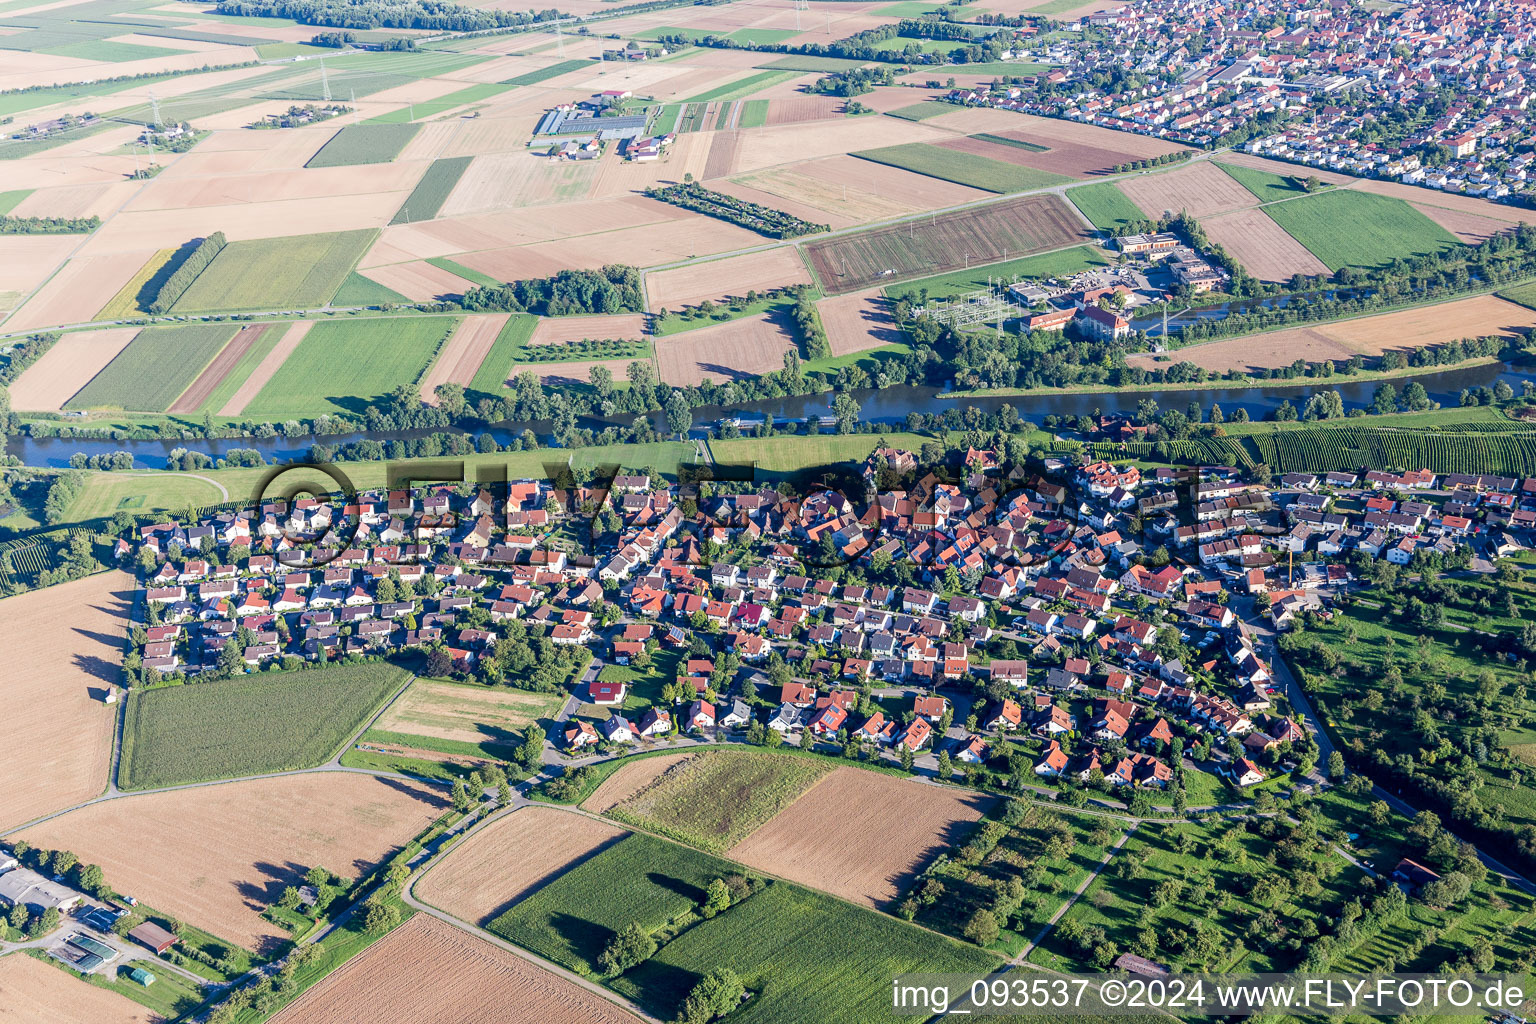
{"type": "Point", "coordinates": [754, 114]}
{"type": "Point", "coordinates": [154, 369]}
{"type": "Point", "coordinates": [134, 297]}
{"type": "Point", "coordinates": [1358, 229]}
{"type": "Point", "coordinates": [11, 199]}
{"type": "Point", "coordinates": [962, 168]}
{"type": "Point", "coordinates": [433, 107]}
{"type": "Point", "coordinates": [469, 274]}
{"type": "Point", "coordinates": [907, 9]}
{"type": "Point", "coordinates": [358, 290]}
{"type": "Point", "coordinates": [640, 879]}
{"type": "Point", "coordinates": [1105, 205]}
{"type": "Point", "coordinates": [364, 144]}
{"type": "Point", "coordinates": [744, 87]}
{"type": "Point", "coordinates": [1003, 140]}
{"type": "Point", "coordinates": [1321, 449]}
{"type": "Point", "coordinates": [1050, 264]}
{"type": "Point", "coordinates": [1524, 294]}
{"type": "Point", "coordinates": [297, 272]}
{"type": "Point", "coordinates": [717, 799]}
{"type": "Point", "coordinates": [113, 52]}
{"type": "Point", "coordinates": [432, 190]}
{"type": "Point", "coordinates": [1268, 187]}
{"type": "Point", "coordinates": [341, 366]}
{"type": "Point", "coordinates": [923, 111]}
{"type": "Point", "coordinates": [803, 956]}
{"type": "Point", "coordinates": [248, 725]}
{"type": "Point", "coordinates": [544, 74]}
{"type": "Point", "coordinates": [491, 378]}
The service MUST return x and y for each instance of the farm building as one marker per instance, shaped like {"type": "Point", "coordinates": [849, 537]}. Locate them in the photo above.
{"type": "Point", "coordinates": [31, 890]}
{"type": "Point", "coordinates": [152, 937]}
{"type": "Point", "coordinates": [91, 946]}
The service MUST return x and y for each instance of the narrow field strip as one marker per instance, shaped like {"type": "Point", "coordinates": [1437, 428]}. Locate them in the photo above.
{"type": "Point", "coordinates": [268, 366]}
{"type": "Point", "coordinates": [197, 393]}
{"type": "Point", "coordinates": [461, 358]}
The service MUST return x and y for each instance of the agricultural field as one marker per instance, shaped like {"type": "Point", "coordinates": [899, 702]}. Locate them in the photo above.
{"type": "Point", "coordinates": [364, 144]}
{"type": "Point", "coordinates": [156, 367]}
{"type": "Point", "coordinates": [640, 879]}
{"type": "Point", "coordinates": [716, 799]}
{"type": "Point", "coordinates": [215, 856]}
{"type": "Point", "coordinates": [432, 191]}
{"type": "Point", "coordinates": [1198, 189]}
{"type": "Point", "coordinates": [729, 351]}
{"type": "Point", "coordinates": [268, 722]}
{"type": "Point", "coordinates": [74, 360]}
{"type": "Point", "coordinates": [1267, 186]}
{"type": "Point", "coordinates": [491, 378]}
{"type": "Point", "coordinates": [545, 74]}
{"type": "Point", "coordinates": [961, 168]}
{"type": "Point", "coordinates": [802, 956]}
{"type": "Point", "coordinates": [63, 651]}
{"type": "Point", "coordinates": [861, 835]}
{"type": "Point", "coordinates": [462, 718]}
{"type": "Point", "coordinates": [510, 858]}
{"type": "Point", "coordinates": [324, 373]}
{"type": "Point", "coordinates": [135, 296]}
{"type": "Point", "coordinates": [1051, 264]}
{"type": "Point", "coordinates": [1442, 451]}
{"type": "Point", "coordinates": [945, 242]}
{"type": "Point", "coordinates": [240, 350]}
{"type": "Point", "coordinates": [429, 970]}
{"type": "Point", "coordinates": [1105, 205]}
{"type": "Point", "coordinates": [1262, 246]}
{"type": "Point", "coordinates": [1345, 228]}
{"type": "Point", "coordinates": [300, 272]}
{"type": "Point", "coordinates": [921, 111]}
{"type": "Point", "coordinates": [460, 358]}
{"type": "Point", "coordinates": [32, 990]}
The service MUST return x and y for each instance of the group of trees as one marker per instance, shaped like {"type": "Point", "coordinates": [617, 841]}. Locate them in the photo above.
{"type": "Point", "coordinates": [48, 225]}
{"type": "Point", "coordinates": [765, 220]}
{"type": "Point", "coordinates": [181, 279]}
{"type": "Point", "coordinates": [613, 289]}
{"type": "Point", "coordinates": [437, 15]}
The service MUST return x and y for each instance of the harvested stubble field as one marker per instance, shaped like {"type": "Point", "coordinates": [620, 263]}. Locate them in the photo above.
{"type": "Point", "coordinates": [1262, 246]}
{"type": "Point", "coordinates": [465, 713]}
{"type": "Point", "coordinates": [84, 284]}
{"type": "Point", "coordinates": [560, 330]}
{"type": "Point", "coordinates": [574, 372]}
{"type": "Point", "coordinates": [862, 835]}
{"type": "Point", "coordinates": [741, 348]}
{"type": "Point", "coordinates": [733, 275]}
{"type": "Point", "coordinates": [995, 170]}
{"type": "Point", "coordinates": [858, 321]}
{"type": "Point", "coordinates": [461, 358]}
{"type": "Point", "coordinates": [716, 799]}
{"type": "Point", "coordinates": [804, 108]}
{"type": "Point", "coordinates": [503, 180]}
{"type": "Point", "coordinates": [1471, 228]}
{"type": "Point", "coordinates": [495, 368]}
{"type": "Point", "coordinates": [418, 280]}
{"type": "Point", "coordinates": [32, 992]}
{"type": "Point", "coordinates": [946, 242]}
{"type": "Point", "coordinates": [486, 874]}
{"type": "Point", "coordinates": [267, 722]}
{"type": "Point", "coordinates": [1368, 336]}
{"type": "Point", "coordinates": [228, 358]}
{"type": "Point", "coordinates": [216, 856]}
{"type": "Point", "coordinates": [66, 367]}
{"type": "Point", "coordinates": [300, 272]}
{"type": "Point", "coordinates": [155, 369]}
{"type": "Point", "coordinates": [1201, 189]}
{"type": "Point", "coordinates": [429, 972]}
{"type": "Point", "coordinates": [629, 780]}
{"type": "Point", "coordinates": [63, 649]}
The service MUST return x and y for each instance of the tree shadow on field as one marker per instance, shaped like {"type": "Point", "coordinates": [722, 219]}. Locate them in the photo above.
{"type": "Point", "coordinates": [586, 939]}
{"type": "Point", "coordinates": [277, 877]}
{"type": "Point", "coordinates": [534, 886]}
{"type": "Point", "coordinates": [417, 790]}
{"type": "Point", "coordinates": [687, 890]}
{"type": "Point", "coordinates": [97, 668]}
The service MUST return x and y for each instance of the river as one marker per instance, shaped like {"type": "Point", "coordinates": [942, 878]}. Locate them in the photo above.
{"type": "Point", "coordinates": [886, 406]}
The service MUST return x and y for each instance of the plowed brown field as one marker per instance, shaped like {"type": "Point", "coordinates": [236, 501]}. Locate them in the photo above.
{"type": "Point", "coordinates": [63, 648]}
{"type": "Point", "coordinates": [862, 835]}
{"type": "Point", "coordinates": [429, 972]}
{"type": "Point", "coordinates": [511, 858]}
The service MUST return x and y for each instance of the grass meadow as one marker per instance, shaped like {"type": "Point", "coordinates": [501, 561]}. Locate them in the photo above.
{"type": "Point", "coordinates": [155, 368]}
{"type": "Point", "coordinates": [341, 366]}
{"type": "Point", "coordinates": [1359, 229]}
{"type": "Point", "coordinates": [1105, 205]}
{"type": "Point", "coordinates": [491, 378]}
{"type": "Point", "coordinates": [248, 725]}
{"type": "Point", "coordinates": [295, 272]}
{"type": "Point", "coordinates": [717, 799]}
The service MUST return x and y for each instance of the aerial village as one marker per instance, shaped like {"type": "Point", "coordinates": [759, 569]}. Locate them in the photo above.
{"type": "Point", "coordinates": [1433, 94]}
{"type": "Point", "coordinates": [969, 617]}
